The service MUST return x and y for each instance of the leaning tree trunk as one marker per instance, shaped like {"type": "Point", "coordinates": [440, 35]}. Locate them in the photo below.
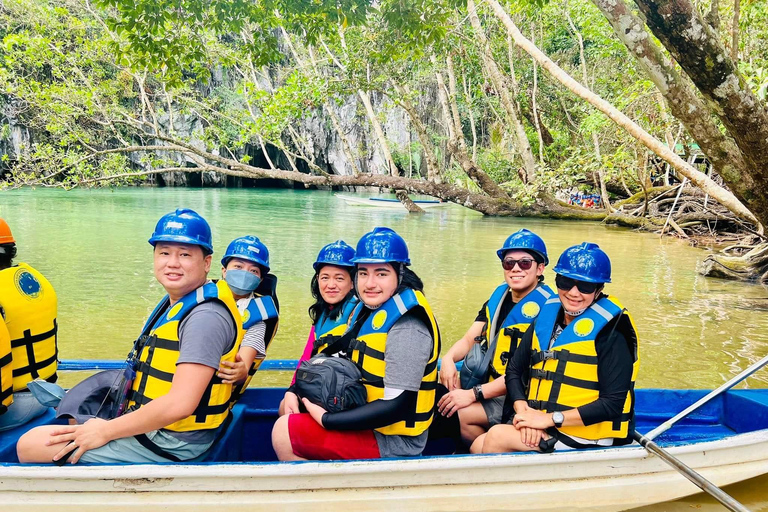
{"type": "Point", "coordinates": [433, 167]}
{"type": "Point", "coordinates": [751, 266]}
{"type": "Point", "coordinates": [698, 50]}
{"type": "Point", "coordinates": [701, 180]}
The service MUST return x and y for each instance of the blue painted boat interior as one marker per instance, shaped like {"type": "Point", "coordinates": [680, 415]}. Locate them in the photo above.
{"type": "Point", "coordinates": [248, 438]}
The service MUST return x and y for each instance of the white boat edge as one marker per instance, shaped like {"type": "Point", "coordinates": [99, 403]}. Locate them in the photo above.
{"type": "Point", "coordinates": [364, 201]}
{"type": "Point", "coordinates": [606, 480]}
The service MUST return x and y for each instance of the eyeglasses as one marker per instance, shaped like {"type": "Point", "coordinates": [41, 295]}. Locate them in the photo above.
{"type": "Point", "coordinates": [524, 264]}
{"type": "Point", "coordinates": [566, 283]}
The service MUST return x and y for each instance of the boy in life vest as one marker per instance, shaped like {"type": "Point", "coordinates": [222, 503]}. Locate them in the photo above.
{"type": "Point", "coordinates": [28, 328]}
{"type": "Point", "coordinates": [396, 350]}
{"type": "Point", "coordinates": [176, 405]}
{"type": "Point", "coordinates": [500, 325]}
{"type": "Point", "coordinates": [572, 378]}
{"type": "Point", "coordinates": [245, 268]}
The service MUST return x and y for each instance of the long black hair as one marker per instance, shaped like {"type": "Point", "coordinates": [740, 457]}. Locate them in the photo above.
{"type": "Point", "coordinates": [320, 306]}
{"type": "Point", "coordinates": [7, 253]}
{"type": "Point", "coordinates": [408, 279]}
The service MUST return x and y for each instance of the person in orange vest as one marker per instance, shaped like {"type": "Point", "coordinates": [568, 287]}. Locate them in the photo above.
{"type": "Point", "coordinates": [28, 350]}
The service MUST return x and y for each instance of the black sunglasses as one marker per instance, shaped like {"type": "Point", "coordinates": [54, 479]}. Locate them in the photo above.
{"type": "Point", "coordinates": [566, 283]}
{"type": "Point", "coordinates": [524, 264]}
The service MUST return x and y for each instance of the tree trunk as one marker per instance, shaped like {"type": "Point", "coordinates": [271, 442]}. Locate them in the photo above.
{"type": "Point", "coordinates": [700, 179]}
{"type": "Point", "coordinates": [735, 32]}
{"type": "Point", "coordinates": [523, 145]}
{"type": "Point", "coordinates": [412, 207]}
{"type": "Point", "coordinates": [748, 267]}
{"type": "Point", "coordinates": [433, 167]}
{"type": "Point", "coordinates": [698, 50]}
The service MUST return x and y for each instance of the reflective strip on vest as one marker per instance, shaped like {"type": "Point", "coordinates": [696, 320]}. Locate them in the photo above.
{"type": "Point", "coordinates": [157, 357]}
{"type": "Point", "coordinates": [368, 354]}
{"type": "Point", "coordinates": [564, 376]}
{"type": "Point", "coordinates": [30, 306]}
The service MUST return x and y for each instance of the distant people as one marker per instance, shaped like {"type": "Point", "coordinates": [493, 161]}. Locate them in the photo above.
{"type": "Point", "coordinates": [333, 289]}
{"type": "Point", "coordinates": [571, 381]}
{"type": "Point", "coordinates": [396, 350]}
{"type": "Point", "coordinates": [499, 326]}
{"type": "Point", "coordinates": [176, 405]}
{"type": "Point", "coordinates": [245, 268]}
{"type": "Point", "coordinates": [28, 350]}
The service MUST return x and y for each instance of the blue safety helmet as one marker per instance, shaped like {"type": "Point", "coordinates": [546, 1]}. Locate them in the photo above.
{"type": "Point", "coordinates": [585, 262]}
{"type": "Point", "coordinates": [184, 226]}
{"type": "Point", "coordinates": [524, 240]}
{"type": "Point", "coordinates": [382, 245]}
{"type": "Point", "coordinates": [248, 248]}
{"type": "Point", "coordinates": [338, 253]}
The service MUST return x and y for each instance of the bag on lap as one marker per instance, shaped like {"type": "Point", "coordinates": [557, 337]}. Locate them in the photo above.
{"type": "Point", "coordinates": [333, 383]}
{"type": "Point", "coordinates": [475, 368]}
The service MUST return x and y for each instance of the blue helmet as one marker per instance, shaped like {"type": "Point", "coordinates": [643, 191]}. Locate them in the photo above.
{"type": "Point", "coordinates": [524, 240]}
{"type": "Point", "coordinates": [248, 248]}
{"type": "Point", "coordinates": [585, 262]}
{"type": "Point", "coordinates": [184, 226]}
{"type": "Point", "coordinates": [338, 253]}
{"type": "Point", "coordinates": [382, 245]}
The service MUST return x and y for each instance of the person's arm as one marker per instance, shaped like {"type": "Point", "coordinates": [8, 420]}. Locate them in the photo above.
{"type": "Point", "coordinates": [251, 348]}
{"type": "Point", "coordinates": [518, 369]}
{"type": "Point", "coordinates": [449, 376]}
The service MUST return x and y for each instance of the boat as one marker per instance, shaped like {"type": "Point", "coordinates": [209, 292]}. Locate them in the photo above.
{"type": "Point", "coordinates": [726, 441]}
{"type": "Point", "coordinates": [382, 202]}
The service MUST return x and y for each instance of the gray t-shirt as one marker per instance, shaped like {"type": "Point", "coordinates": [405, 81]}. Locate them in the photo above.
{"type": "Point", "coordinates": [206, 334]}
{"type": "Point", "coordinates": [409, 346]}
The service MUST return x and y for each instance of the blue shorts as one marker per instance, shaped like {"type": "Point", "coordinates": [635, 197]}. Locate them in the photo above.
{"type": "Point", "coordinates": [129, 450]}
{"type": "Point", "coordinates": [24, 409]}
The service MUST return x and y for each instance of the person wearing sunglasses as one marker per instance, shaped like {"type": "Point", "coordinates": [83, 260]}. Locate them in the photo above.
{"type": "Point", "coordinates": [571, 380]}
{"type": "Point", "coordinates": [495, 334]}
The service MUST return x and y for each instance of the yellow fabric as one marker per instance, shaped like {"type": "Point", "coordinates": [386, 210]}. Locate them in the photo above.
{"type": "Point", "coordinates": [572, 396]}
{"type": "Point", "coordinates": [6, 368]}
{"type": "Point", "coordinates": [504, 342]}
{"type": "Point", "coordinates": [373, 366]}
{"type": "Point", "coordinates": [240, 389]}
{"type": "Point", "coordinates": [163, 365]}
{"type": "Point", "coordinates": [332, 336]}
{"type": "Point", "coordinates": [30, 306]}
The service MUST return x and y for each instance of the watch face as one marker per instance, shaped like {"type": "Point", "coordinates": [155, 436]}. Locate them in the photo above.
{"type": "Point", "coordinates": [557, 418]}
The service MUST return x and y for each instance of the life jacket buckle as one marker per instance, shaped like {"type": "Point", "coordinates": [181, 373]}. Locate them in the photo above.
{"type": "Point", "coordinates": [546, 355]}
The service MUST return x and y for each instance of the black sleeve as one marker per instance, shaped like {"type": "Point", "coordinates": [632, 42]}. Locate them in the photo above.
{"type": "Point", "coordinates": [376, 414]}
{"type": "Point", "coordinates": [518, 368]}
{"type": "Point", "coordinates": [481, 314]}
{"type": "Point", "coordinates": [614, 375]}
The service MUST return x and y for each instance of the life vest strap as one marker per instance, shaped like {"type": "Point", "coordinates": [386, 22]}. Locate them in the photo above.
{"type": "Point", "coordinates": [5, 393]}
{"type": "Point", "coordinates": [149, 371]}
{"type": "Point", "coordinates": [6, 359]}
{"type": "Point", "coordinates": [28, 339]}
{"type": "Point", "coordinates": [561, 355]}
{"type": "Point", "coordinates": [543, 405]}
{"type": "Point", "coordinates": [564, 379]}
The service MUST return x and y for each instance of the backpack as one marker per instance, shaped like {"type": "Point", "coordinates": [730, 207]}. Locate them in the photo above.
{"type": "Point", "coordinates": [333, 383]}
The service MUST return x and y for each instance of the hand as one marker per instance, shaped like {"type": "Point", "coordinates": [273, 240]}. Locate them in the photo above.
{"type": "Point", "coordinates": [291, 403]}
{"type": "Point", "coordinates": [531, 436]}
{"type": "Point", "coordinates": [532, 418]}
{"type": "Point", "coordinates": [233, 372]}
{"type": "Point", "coordinates": [449, 376]}
{"type": "Point", "coordinates": [520, 406]}
{"type": "Point", "coordinates": [315, 411]}
{"type": "Point", "coordinates": [88, 436]}
{"type": "Point", "coordinates": [455, 400]}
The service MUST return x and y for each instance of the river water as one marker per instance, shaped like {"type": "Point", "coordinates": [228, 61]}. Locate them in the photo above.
{"type": "Point", "coordinates": [92, 245]}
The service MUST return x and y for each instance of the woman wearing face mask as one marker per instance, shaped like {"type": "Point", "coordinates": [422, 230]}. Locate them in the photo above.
{"type": "Point", "coordinates": [245, 268]}
{"type": "Point", "coordinates": [333, 290]}
{"type": "Point", "coordinates": [571, 381]}
{"type": "Point", "coordinates": [396, 350]}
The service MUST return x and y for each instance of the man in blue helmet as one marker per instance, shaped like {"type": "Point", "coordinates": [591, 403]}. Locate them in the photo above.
{"type": "Point", "coordinates": [478, 399]}
{"type": "Point", "coordinates": [572, 378]}
{"type": "Point", "coordinates": [175, 404]}
{"type": "Point", "coordinates": [245, 268]}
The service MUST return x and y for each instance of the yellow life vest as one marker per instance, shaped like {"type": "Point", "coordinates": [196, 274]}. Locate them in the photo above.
{"type": "Point", "coordinates": [513, 326]}
{"type": "Point", "coordinates": [564, 376]}
{"type": "Point", "coordinates": [29, 305]}
{"type": "Point", "coordinates": [261, 308]}
{"type": "Point", "coordinates": [328, 330]}
{"type": "Point", "coordinates": [368, 354]}
{"type": "Point", "coordinates": [159, 352]}
{"type": "Point", "coordinates": [6, 369]}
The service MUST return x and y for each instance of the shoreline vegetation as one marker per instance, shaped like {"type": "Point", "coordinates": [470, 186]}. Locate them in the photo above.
{"type": "Point", "coordinates": [657, 108]}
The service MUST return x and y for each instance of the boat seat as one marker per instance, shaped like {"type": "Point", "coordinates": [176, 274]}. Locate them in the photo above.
{"type": "Point", "coordinates": [8, 438]}
{"type": "Point", "coordinates": [227, 447]}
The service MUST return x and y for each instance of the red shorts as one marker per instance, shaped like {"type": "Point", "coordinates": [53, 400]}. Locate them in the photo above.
{"type": "Point", "coordinates": [311, 441]}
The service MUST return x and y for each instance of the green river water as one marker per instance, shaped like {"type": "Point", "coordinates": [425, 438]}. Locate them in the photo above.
{"type": "Point", "coordinates": [92, 245]}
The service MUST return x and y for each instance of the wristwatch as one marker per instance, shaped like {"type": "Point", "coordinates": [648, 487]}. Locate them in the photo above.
{"type": "Point", "coordinates": [478, 392]}
{"type": "Point", "coordinates": [558, 418]}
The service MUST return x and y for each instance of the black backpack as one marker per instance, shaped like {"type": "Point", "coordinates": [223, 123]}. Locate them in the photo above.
{"type": "Point", "coordinates": [333, 383]}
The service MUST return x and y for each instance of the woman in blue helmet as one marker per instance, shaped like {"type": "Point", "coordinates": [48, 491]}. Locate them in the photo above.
{"type": "Point", "coordinates": [334, 293]}
{"type": "Point", "coordinates": [499, 325]}
{"type": "Point", "coordinates": [245, 268]}
{"type": "Point", "coordinates": [396, 349]}
{"type": "Point", "coordinates": [571, 381]}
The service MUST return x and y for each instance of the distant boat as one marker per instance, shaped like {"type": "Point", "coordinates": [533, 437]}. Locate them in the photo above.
{"type": "Point", "coordinates": [381, 202]}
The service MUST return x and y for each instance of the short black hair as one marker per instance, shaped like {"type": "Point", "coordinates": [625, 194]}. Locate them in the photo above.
{"type": "Point", "coordinates": [7, 253]}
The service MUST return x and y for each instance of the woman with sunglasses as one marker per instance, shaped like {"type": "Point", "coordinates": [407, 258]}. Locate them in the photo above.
{"type": "Point", "coordinates": [571, 381]}
{"type": "Point", "coordinates": [503, 319]}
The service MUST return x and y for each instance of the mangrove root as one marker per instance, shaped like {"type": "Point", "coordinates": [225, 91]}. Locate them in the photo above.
{"type": "Point", "coordinates": [751, 266]}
